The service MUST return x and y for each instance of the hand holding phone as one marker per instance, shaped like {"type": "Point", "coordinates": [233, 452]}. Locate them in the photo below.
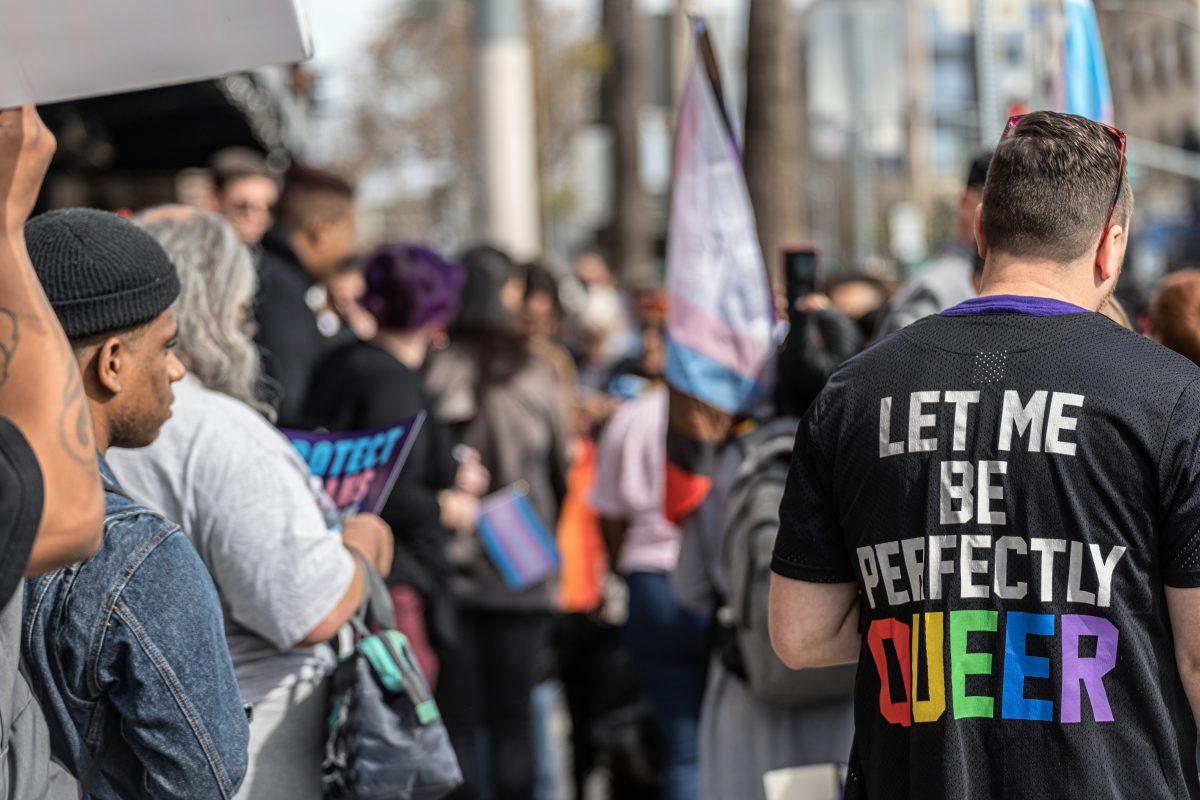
{"type": "Point", "coordinates": [801, 271]}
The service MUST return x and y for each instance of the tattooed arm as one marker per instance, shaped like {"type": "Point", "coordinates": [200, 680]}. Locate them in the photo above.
{"type": "Point", "coordinates": [40, 388]}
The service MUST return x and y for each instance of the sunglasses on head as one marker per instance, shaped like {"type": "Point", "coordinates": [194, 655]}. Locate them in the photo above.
{"type": "Point", "coordinates": [1118, 138]}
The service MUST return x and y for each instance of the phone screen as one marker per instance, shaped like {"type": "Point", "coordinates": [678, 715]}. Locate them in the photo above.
{"type": "Point", "coordinates": [801, 267]}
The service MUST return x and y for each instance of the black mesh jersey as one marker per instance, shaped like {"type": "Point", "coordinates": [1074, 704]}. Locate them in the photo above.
{"type": "Point", "coordinates": [1011, 493]}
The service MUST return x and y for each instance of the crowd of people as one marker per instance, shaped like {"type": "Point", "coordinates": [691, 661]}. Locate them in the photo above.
{"type": "Point", "coordinates": [184, 574]}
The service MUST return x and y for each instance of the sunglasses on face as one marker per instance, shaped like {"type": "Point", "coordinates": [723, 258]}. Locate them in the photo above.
{"type": "Point", "coordinates": [245, 209]}
{"type": "Point", "coordinates": [1118, 138]}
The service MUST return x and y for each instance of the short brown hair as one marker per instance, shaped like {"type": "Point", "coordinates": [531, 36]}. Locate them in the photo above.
{"type": "Point", "coordinates": [1049, 187]}
{"type": "Point", "coordinates": [310, 194]}
{"type": "Point", "coordinates": [235, 163]}
{"type": "Point", "coordinates": [1175, 313]}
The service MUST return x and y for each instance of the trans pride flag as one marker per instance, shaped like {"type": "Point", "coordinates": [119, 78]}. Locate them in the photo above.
{"type": "Point", "coordinates": [516, 540]}
{"type": "Point", "coordinates": [1083, 86]}
{"type": "Point", "coordinates": [720, 312]}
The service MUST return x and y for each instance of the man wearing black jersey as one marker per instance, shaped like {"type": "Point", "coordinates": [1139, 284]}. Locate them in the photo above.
{"type": "Point", "coordinates": [996, 512]}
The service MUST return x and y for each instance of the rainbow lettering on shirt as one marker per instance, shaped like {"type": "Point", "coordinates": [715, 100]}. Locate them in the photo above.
{"type": "Point", "coordinates": [926, 660]}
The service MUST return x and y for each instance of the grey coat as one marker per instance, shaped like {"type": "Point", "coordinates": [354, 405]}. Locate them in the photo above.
{"type": "Point", "coordinates": [742, 738]}
{"type": "Point", "coordinates": [519, 427]}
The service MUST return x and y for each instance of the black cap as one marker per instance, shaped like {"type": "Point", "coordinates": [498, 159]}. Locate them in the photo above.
{"type": "Point", "coordinates": [977, 174]}
{"type": "Point", "coordinates": [101, 273]}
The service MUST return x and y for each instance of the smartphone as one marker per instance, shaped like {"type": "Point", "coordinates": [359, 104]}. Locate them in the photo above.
{"type": "Point", "coordinates": [801, 271]}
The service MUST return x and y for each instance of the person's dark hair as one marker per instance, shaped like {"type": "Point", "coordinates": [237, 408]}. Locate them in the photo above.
{"type": "Point", "coordinates": [540, 280]}
{"type": "Point", "coordinates": [235, 163]}
{"type": "Point", "coordinates": [816, 345]}
{"type": "Point", "coordinates": [482, 323]}
{"type": "Point", "coordinates": [978, 171]}
{"type": "Point", "coordinates": [1049, 187]}
{"type": "Point", "coordinates": [408, 286]}
{"type": "Point", "coordinates": [309, 194]}
{"type": "Point", "coordinates": [1175, 313]}
{"type": "Point", "coordinates": [869, 321]}
{"type": "Point", "coordinates": [101, 273]}
{"type": "Point", "coordinates": [847, 278]}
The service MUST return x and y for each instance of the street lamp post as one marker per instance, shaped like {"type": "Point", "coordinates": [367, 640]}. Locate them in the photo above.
{"type": "Point", "coordinates": [985, 74]}
{"type": "Point", "coordinates": [507, 132]}
{"type": "Point", "coordinates": [862, 173]}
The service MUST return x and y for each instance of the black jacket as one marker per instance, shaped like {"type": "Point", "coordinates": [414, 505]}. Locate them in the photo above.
{"type": "Point", "coordinates": [361, 386]}
{"type": "Point", "coordinates": [288, 336]}
{"type": "Point", "coordinates": [817, 345]}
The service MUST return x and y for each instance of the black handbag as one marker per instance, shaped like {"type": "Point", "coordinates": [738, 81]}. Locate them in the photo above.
{"type": "Point", "coordinates": [385, 736]}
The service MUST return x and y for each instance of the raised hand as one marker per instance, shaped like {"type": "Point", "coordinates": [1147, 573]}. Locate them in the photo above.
{"type": "Point", "coordinates": [26, 148]}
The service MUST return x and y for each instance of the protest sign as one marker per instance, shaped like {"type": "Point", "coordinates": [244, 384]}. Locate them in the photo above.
{"type": "Point", "coordinates": [358, 468]}
{"type": "Point", "coordinates": [52, 50]}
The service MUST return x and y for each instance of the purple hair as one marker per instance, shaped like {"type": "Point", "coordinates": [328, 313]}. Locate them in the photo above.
{"type": "Point", "coordinates": [409, 286]}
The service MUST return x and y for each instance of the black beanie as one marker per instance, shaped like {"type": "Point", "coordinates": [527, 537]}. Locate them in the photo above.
{"type": "Point", "coordinates": [101, 273]}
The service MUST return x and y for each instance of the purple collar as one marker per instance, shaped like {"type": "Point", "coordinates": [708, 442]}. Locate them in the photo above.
{"type": "Point", "coordinates": [1013, 304]}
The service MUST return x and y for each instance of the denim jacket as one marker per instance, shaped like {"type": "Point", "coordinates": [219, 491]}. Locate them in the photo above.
{"type": "Point", "coordinates": [128, 647]}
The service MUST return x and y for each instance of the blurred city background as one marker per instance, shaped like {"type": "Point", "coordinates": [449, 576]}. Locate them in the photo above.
{"type": "Point", "coordinates": [546, 125]}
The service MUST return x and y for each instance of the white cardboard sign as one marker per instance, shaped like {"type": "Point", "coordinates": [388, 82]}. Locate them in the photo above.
{"type": "Point", "coordinates": [817, 782]}
{"type": "Point", "coordinates": [53, 50]}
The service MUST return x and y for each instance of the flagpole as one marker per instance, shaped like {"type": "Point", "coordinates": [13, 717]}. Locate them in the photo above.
{"type": "Point", "coordinates": [705, 50]}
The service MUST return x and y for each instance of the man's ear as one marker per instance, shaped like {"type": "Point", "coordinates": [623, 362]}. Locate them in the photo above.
{"type": "Point", "coordinates": [107, 364]}
{"type": "Point", "coordinates": [1110, 254]}
{"type": "Point", "coordinates": [980, 239]}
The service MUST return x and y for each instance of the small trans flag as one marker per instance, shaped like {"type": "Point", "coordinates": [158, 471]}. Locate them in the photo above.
{"type": "Point", "coordinates": [516, 540]}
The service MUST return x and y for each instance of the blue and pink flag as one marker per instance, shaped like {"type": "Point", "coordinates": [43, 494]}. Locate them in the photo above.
{"type": "Point", "coordinates": [516, 540]}
{"type": "Point", "coordinates": [1083, 86]}
{"type": "Point", "coordinates": [720, 310]}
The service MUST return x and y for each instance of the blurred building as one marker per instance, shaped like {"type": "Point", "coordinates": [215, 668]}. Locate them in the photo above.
{"type": "Point", "coordinates": [1152, 54]}
{"type": "Point", "coordinates": [1153, 49]}
{"type": "Point", "coordinates": [898, 107]}
{"type": "Point", "coordinates": [136, 149]}
{"type": "Point", "coordinates": [891, 96]}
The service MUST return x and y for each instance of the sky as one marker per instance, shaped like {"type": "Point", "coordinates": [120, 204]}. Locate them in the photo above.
{"type": "Point", "coordinates": [340, 28]}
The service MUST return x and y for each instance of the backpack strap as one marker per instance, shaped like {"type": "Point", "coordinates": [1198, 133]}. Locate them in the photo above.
{"type": "Point", "coordinates": [376, 607]}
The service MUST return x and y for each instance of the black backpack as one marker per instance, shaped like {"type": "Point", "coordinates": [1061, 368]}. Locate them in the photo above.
{"type": "Point", "coordinates": [750, 523]}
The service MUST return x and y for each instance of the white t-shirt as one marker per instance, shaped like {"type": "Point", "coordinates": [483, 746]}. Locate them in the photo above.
{"type": "Point", "coordinates": [244, 497]}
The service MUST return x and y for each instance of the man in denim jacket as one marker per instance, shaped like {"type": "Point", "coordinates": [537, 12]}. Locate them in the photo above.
{"type": "Point", "coordinates": [126, 651]}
